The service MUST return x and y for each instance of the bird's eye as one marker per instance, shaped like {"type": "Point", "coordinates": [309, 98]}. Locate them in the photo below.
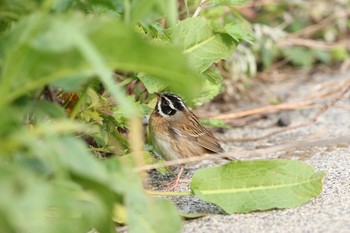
{"type": "Point", "coordinates": [166, 103]}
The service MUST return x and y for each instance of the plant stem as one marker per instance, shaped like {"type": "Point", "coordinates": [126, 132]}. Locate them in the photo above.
{"type": "Point", "coordinates": [136, 141]}
{"type": "Point", "coordinates": [92, 55]}
{"type": "Point", "coordinates": [199, 8]}
{"type": "Point", "coordinates": [169, 194]}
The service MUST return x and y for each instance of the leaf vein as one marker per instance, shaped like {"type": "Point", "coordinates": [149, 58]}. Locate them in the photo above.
{"type": "Point", "coordinates": [250, 189]}
{"type": "Point", "coordinates": [199, 44]}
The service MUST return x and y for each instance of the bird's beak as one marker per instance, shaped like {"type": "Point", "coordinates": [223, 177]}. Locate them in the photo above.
{"type": "Point", "coordinates": [157, 94]}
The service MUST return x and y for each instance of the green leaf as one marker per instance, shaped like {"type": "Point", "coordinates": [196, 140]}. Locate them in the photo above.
{"type": "Point", "coordinates": [148, 216]}
{"type": "Point", "coordinates": [144, 214]}
{"type": "Point", "coordinates": [187, 216]}
{"type": "Point", "coordinates": [152, 83]}
{"type": "Point", "coordinates": [31, 203]}
{"type": "Point", "coordinates": [245, 186]}
{"type": "Point", "coordinates": [48, 108]}
{"type": "Point", "coordinates": [71, 83]}
{"type": "Point", "coordinates": [215, 123]}
{"type": "Point", "coordinates": [71, 153]}
{"type": "Point", "coordinates": [340, 53]}
{"type": "Point", "coordinates": [139, 9]}
{"type": "Point", "coordinates": [90, 47]}
{"type": "Point", "coordinates": [201, 44]}
{"type": "Point", "coordinates": [323, 56]}
{"type": "Point", "coordinates": [238, 33]}
{"type": "Point", "coordinates": [299, 56]}
{"type": "Point", "coordinates": [211, 86]}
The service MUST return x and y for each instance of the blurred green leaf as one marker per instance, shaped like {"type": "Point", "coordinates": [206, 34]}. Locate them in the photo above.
{"type": "Point", "coordinates": [245, 186]}
{"type": "Point", "coordinates": [215, 123]}
{"type": "Point", "coordinates": [119, 49]}
{"type": "Point", "coordinates": [72, 154]}
{"type": "Point", "coordinates": [29, 203]}
{"type": "Point", "coordinates": [323, 56]}
{"type": "Point", "coordinates": [340, 53]}
{"type": "Point", "coordinates": [10, 121]}
{"type": "Point", "coordinates": [48, 108]}
{"type": "Point", "coordinates": [200, 43]}
{"type": "Point", "coordinates": [71, 83]}
{"type": "Point", "coordinates": [140, 8]}
{"type": "Point", "coordinates": [143, 213]}
{"type": "Point", "coordinates": [148, 216]}
{"type": "Point", "coordinates": [299, 56]}
{"type": "Point", "coordinates": [152, 84]}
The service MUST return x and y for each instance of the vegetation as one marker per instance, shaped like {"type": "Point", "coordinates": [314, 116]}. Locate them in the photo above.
{"type": "Point", "coordinates": [77, 76]}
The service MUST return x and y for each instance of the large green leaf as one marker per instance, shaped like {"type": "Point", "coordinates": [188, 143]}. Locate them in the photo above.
{"type": "Point", "coordinates": [201, 44]}
{"type": "Point", "coordinates": [245, 186]}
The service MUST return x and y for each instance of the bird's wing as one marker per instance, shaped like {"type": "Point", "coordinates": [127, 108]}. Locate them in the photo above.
{"type": "Point", "coordinates": [200, 135]}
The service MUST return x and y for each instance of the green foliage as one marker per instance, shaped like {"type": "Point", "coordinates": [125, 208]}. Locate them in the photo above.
{"type": "Point", "coordinates": [201, 44]}
{"type": "Point", "coordinates": [66, 67]}
{"type": "Point", "coordinates": [295, 33]}
{"type": "Point", "coordinates": [215, 123]}
{"type": "Point", "coordinates": [72, 76]}
{"type": "Point", "coordinates": [245, 186]}
{"type": "Point", "coordinates": [299, 56]}
{"type": "Point", "coordinates": [211, 86]}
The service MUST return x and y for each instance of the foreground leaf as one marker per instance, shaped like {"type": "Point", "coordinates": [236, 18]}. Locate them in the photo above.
{"type": "Point", "coordinates": [30, 203]}
{"type": "Point", "coordinates": [143, 214]}
{"type": "Point", "coordinates": [87, 45]}
{"type": "Point", "coordinates": [245, 186]}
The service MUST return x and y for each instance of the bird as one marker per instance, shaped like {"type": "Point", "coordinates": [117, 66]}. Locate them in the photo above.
{"type": "Point", "coordinates": [176, 133]}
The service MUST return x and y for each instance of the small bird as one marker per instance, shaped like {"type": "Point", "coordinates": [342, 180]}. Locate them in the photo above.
{"type": "Point", "coordinates": [176, 133]}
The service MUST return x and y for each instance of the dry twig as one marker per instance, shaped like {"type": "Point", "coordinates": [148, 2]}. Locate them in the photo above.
{"type": "Point", "coordinates": [199, 8]}
{"type": "Point", "coordinates": [310, 30]}
{"type": "Point", "coordinates": [322, 110]}
{"type": "Point", "coordinates": [300, 145]}
{"type": "Point", "coordinates": [265, 110]}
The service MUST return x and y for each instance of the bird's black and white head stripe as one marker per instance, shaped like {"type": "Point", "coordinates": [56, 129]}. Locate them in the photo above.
{"type": "Point", "coordinates": [168, 104]}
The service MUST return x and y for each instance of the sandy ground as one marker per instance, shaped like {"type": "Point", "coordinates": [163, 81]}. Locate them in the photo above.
{"type": "Point", "coordinates": [330, 212]}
